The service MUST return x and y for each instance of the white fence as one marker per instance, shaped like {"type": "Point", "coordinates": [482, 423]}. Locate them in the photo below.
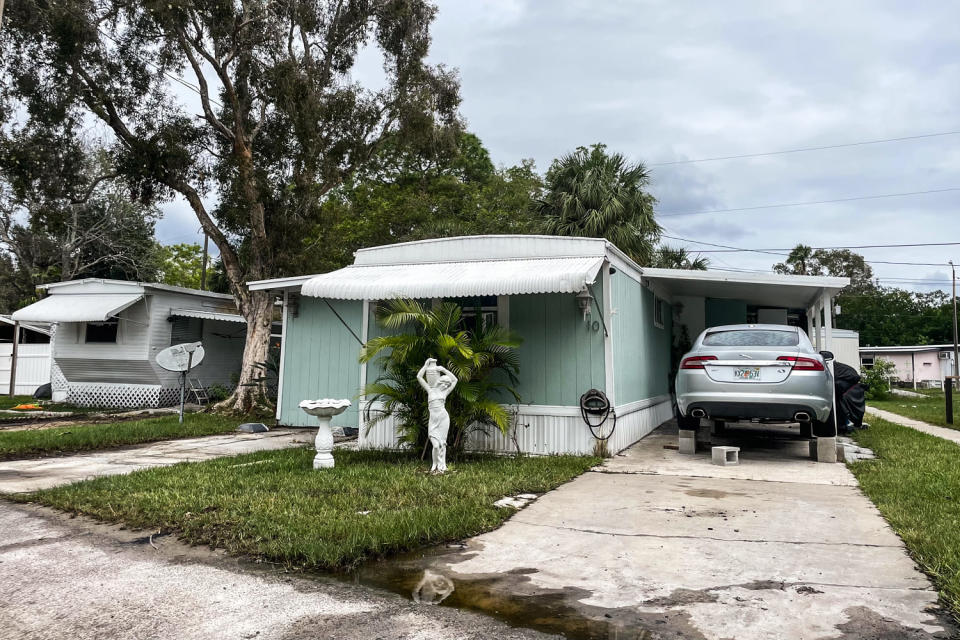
{"type": "Point", "coordinates": [33, 367]}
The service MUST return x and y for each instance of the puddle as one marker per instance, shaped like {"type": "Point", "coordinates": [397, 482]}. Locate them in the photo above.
{"type": "Point", "coordinates": [512, 597]}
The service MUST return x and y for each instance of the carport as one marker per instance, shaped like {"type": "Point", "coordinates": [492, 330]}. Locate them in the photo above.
{"type": "Point", "coordinates": [704, 299]}
{"type": "Point", "coordinates": [711, 298]}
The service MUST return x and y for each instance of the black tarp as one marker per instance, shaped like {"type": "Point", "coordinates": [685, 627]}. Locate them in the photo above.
{"type": "Point", "coordinates": [851, 397]}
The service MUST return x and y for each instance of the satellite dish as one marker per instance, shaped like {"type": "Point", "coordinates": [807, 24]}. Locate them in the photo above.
{"type": "Point", "coordinates": [178, 357]}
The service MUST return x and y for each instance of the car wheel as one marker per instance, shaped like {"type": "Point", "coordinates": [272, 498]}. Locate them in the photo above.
{"type": "Point", "coordinates": [824, 429]}
{"type": "Point", "coordinates": [687, 422]}
{"type": "Point", "coordinates": [806, 430]}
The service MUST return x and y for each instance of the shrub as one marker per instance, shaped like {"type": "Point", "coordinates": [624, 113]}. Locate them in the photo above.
{"type": "Point", "coordinates": [877, 379]}
{"type": "Point", "coordinates": [483, 358]}
{"type": "Point", "coordinates": [218, 393]}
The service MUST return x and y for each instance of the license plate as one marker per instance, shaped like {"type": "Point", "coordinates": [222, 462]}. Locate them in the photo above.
{"type": "Point", "coordinates": [753, 373]}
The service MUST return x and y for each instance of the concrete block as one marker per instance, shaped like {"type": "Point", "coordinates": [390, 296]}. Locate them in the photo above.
{"type": "Point", "coordinates": [726, 456]}
{"type": "Point", "coordinates": [827, 449]}
{"type": "Point", "coordinates": [688, 441]}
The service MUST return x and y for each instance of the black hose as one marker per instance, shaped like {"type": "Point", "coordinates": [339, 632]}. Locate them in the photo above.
{"type": "Point", "coordinates": [596, 403]}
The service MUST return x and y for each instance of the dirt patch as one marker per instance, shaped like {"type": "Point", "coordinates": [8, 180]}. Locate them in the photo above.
{"type": "Point", "coordinates": [712, 493]}
{"type": "Point", "coordinates": [864, 624]}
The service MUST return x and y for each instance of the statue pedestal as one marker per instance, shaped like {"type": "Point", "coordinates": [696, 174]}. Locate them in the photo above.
{"type": "Point", "coordinates": [324, 410]}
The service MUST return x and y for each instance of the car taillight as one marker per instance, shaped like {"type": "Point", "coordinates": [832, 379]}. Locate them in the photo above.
{"type": "Point", "coordinates": [803, 364]}
{"type": "Point", "coordinates": [695, 362]}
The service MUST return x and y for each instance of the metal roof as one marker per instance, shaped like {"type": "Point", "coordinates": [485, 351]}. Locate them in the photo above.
{"type": "Point", "coordinates": [456, 279]}
{"type": "Point", "coordinates": [208, 315]}
{"type": "Point", "coordinates": [908, 349]}
{"type": "Point", "coordinates": [77, 307]}
{"type": "Point", "coordinates": [114, 284]}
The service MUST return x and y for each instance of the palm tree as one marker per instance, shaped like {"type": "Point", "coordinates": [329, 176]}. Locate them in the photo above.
{"type": "Point", "coordinates": [678, 258]}
{"type": "Point", "coordinates": [483, 357]}
{"type": "Point", "coordinates": [590, 193]}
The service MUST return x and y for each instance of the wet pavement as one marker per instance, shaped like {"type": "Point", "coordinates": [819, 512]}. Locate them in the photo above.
{"type": "Point", "coordinates": [658, 545]}
{"type": "Point", "coordinates": [64, 578]}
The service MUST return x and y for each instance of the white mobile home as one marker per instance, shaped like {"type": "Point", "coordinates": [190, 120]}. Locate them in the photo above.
{"type": "Point", "coordinates": [106, 334]}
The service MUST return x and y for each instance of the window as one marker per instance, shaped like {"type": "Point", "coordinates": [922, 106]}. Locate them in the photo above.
{"type": "Point", "coordinates": [866, 362]}
{"type": "Point", "coordinates": [102, 332]}
{"type": "Point", "coordinates": [752, 338]}
{"type": "Point", "coordinates": [659, 307]}
{"type": "Point", "coordinates": [185, 330]}
{"type": "Point", "coordinates": [484, 308]}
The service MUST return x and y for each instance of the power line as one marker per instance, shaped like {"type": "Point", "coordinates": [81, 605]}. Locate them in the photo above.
{"type": "Point", "coordinates": [853, 246]}
{"type": "Point", "coordinates": [805, 149]}
{"type": "Point", "coordinates": [811, 202]}
{"type": "Point", "coordinates": [772, 252]}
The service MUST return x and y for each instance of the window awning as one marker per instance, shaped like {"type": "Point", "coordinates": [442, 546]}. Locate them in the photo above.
{"type": "Point", "coordinates": [208, 315]}
{"type": "Point", "coordinates": [456, 279]}
{"type": "Point", "coordinates": [77, 307]}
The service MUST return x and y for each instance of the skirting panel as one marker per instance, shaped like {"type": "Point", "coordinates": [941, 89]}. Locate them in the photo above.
{"type": "Point", "coordinates": [537, 434]}
{"type": "Point", "coordinates": [121, 396]}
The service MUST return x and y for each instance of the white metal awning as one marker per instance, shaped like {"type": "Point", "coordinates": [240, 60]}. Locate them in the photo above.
{"type": "Point", "coordinates": [208, 315]}
{"type": "Point", "coordinates": [456, 279]}
{"type": "Point", "coordinates": [77, 307]}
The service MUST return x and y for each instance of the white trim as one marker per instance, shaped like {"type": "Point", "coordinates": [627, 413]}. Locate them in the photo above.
{"type": "Point", "coordinates": [364, 331]}
{"type": "Point", "coordinates": [283, 350]}
{"type": "Point", "coordinates": [826, 282]}
{"type": "Point", "coordinates": [609, 377]}
{"type": "Point", "coordinates": [278, 283]}
{"type": "Point", "coordinates": [559, 411]}
{"type": "Point", "coordinates": [637, 405]}
{"type": "Point", "coordinates": [208, 315]}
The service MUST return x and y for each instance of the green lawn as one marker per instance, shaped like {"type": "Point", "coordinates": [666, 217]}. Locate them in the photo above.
{"type": "Point", "coordinates": [8, 402]}
{"type": "Point", "coordinates": [915, 482]}
{"type": "Point", "coordinates": [273, 505]}
{"type": "Point", "coordinates": [60, 440]}
{"type": "Point", "coordinates": [931, 408]}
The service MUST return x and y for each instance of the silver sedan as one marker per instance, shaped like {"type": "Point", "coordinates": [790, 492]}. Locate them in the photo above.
{"type": "Point", "coordinates": [758, 372]}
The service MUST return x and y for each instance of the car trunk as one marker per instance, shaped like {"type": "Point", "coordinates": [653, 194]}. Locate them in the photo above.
{"type": "Point", "coordinates": [750, 365]}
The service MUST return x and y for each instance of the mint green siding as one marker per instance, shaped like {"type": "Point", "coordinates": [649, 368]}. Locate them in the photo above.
{"type": "Point", "coordinates": [720, 311]}
{"type": "Point", "coordinates": [321, 360]}
{"type": "Point", "coordinates": [641, 350]}
{"type": "Point", "coordinates": [561, 356]}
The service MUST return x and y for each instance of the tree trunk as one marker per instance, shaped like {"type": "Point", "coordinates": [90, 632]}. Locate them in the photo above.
{"type": "Point", "coordinates": [250, 394]}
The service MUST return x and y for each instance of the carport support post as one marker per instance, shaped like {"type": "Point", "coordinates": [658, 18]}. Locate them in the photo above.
{"type": "Point", "coordinates": [827, 446]}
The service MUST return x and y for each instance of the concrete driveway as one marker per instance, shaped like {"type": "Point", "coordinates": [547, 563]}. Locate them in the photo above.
{"type": "Point", "coordinates": [659, 545]}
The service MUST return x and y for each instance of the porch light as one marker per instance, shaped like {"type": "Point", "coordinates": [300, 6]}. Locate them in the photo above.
{"type": "Point", "coordinates": [585, 302]}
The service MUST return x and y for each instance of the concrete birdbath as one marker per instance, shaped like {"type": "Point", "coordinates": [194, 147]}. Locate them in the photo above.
{"type": "Point", "coordinates": [324, 410]}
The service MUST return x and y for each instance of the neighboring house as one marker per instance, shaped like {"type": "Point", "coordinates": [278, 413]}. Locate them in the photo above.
{"type": "Point", "coordinates": [534, 285]}
{"type": "Point", "coordinates": [106, 335]}
{"type": "Point", "coordinates": [918, 365]}
{"type": "Point", "coordinates": [33, 356]}
{"type": "Point", "coordinates": [846, 347]}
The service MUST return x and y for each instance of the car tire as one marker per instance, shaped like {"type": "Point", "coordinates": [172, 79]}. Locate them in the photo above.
{"type": "Point", "coordinates": [687, 422]}
{"type": "Point", "coordinates": [824, 429]}
{"type": "Point", "coordinates": [806, 430]}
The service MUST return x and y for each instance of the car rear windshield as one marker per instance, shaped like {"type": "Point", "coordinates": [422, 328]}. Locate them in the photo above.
{"type": "Point", "coordinates": [752, 338]}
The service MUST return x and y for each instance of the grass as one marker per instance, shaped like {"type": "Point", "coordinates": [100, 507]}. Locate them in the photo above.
{"type": "Point", "coordinates": [8, 402]}
{"type": "Point", "coordinates": [61, 440]}
{"type": "Point", "coordinates": [274, 506]}
{"type": "Point", "coordinates": [915, 483]}
{"type": "Point", "coordinates": [931, 408]}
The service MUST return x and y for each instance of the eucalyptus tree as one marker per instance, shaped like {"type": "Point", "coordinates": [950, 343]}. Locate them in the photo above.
{"type": "Point", "coordinates": [249, 104]}
{"type": "Point", "coordinates": [592, 193]}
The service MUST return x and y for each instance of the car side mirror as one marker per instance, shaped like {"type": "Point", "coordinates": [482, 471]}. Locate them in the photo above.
{"type": "Point", "coordinates": [827, 355]}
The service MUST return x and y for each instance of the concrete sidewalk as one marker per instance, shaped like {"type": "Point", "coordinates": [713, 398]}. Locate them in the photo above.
{"type": "Point", "coordinates": [19, 476]}
{"type": "Point", "coordinates": [941, 432]}
{"type": "Point", "coordinates": [777, 547]}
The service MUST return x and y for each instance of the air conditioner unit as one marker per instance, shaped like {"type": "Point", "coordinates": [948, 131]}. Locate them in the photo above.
{"type": "Point", "coordinates": [944, 355]}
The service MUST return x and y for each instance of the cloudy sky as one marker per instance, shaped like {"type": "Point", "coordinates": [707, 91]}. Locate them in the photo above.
{"type": "Point", "coordinates": [669, 82]}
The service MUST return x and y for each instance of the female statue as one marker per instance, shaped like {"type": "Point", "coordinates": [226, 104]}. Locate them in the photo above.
{"type": "Point", "coordinates": [438, 382]}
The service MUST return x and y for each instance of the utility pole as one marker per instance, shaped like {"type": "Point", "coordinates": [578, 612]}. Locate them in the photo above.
{"type": "Point", "coordinates": [203, 268]}
{"type": "Point", "coordinates": [956, 351]}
